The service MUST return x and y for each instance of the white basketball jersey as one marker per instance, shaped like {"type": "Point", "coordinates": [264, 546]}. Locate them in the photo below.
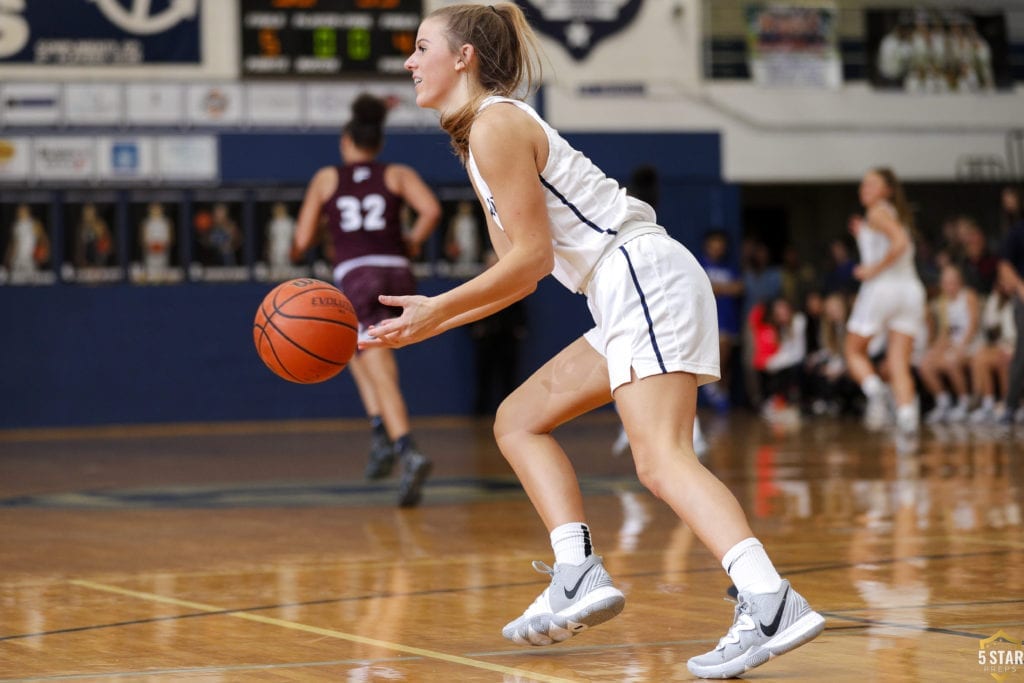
{"type": "Point", "coordinates": [586, 208]}
{"type": "Point", "coordinates": [874, 245]}
{"type": "Point", "coordinates": [958, 317]}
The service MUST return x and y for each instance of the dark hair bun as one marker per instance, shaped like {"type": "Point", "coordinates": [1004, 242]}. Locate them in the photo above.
{"type": "Point", "coordinates": [369, 109]}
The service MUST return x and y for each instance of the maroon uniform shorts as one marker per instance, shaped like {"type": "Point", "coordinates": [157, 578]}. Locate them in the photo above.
{"type": "Point", "coordinates": [363, 285]}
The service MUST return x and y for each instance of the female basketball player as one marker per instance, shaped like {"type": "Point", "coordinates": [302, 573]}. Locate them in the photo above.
{"type": "Point", "coordinates": [891, 299]}
{"type": "Point", "coordinates": [551, 211]}
{"type": "Point", "coordinates": [361, 202]}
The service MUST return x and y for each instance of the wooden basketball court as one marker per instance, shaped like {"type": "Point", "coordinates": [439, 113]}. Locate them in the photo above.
{"type": "Point", "coordinates": [255, 552]}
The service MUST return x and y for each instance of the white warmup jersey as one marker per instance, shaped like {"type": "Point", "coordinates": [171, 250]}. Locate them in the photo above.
{"type": "Point", "coordinates": [874, 245]}
{"type": "Point", "coordinates": [895, 298]}
{"type": "Point", "coordinates": [958, 318]}
{"type": "Point", "coordinates": [651, 300]}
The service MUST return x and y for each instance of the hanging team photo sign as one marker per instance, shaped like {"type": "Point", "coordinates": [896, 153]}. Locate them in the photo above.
{"type": "Point", "coordinates": [580, 26]}
{"type": "Point", "coordinates": [794, 45]}
{"type": "Point", "coordinates": [99, 32]}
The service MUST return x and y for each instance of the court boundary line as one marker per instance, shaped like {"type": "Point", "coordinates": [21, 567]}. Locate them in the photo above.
{"type": "Point", "coordinates": [228, 668]}
{"type": "Point", "coordinates": [317, 630]}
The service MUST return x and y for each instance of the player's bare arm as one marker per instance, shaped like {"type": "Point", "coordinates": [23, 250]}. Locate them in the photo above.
{"type": "Point", "coordinates": [505, 146]}
{"type": "Point", "coordinates": [319, 190]}
{"type": "Point", "coordinates": [407, 183]}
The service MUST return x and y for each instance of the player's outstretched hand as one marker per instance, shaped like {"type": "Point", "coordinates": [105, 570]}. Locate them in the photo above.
{"type": "Point", "coordinates": [417, 322]}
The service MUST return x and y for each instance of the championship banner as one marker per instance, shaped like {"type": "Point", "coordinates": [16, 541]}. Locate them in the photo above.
{"type": "Point", "coordinates": [927, 50]}
{"type": "Point", "coordinates": [99, 33]}
{"type": "Point", "coordinates": [794, 45]}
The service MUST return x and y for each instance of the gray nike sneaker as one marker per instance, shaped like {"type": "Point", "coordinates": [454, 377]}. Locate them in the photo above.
{"type": "Point", "coordinates": [766, 625]}
{"type": "Point", "coordinates": [580, 596]}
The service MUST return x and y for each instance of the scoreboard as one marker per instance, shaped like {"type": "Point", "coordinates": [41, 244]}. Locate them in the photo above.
{"type": "Point", "coordinates": [328, 38]}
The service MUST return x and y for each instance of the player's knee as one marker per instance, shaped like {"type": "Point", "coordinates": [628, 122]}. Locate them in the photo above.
{"type": "Point", "coordinates": [651, 465]}
{"type": "Point", "coordinates": [509, 418]}
{"type": "Point", "coordinates": [652, 478]}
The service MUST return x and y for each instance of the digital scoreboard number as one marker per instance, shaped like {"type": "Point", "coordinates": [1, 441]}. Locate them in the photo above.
{"type": "Point", "coordinates": [328, 38]}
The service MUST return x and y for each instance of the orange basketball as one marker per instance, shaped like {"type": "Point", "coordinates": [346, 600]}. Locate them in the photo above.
{"type": "Point", "coordinates": [305, 331]}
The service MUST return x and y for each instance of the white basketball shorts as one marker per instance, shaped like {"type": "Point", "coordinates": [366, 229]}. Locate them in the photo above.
{"type": "Point", "coordinates": [655, 311]}
{"type": "Point", "coordinates": [888, 305]}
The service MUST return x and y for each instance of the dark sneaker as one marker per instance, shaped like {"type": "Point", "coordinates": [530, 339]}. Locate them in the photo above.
{"type": "Point", "coordinates": [580, 596]}
{"type": "Point", "coordinates": [382, 458]}
{"type": "Point", "coordinates": [415, 470]}
{"type": "Point", "coordinates": [766, 625]}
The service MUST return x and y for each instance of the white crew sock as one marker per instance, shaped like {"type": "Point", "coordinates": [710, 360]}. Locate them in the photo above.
{"type": "Point", "coordinates": [943, 400]}
{"type": "Point", "coordinates": [571, 543]}
{"type": "Point", "coordinates": [872, 386]}
{"type": "Point", "coordinates": [907, 414]}
{"type": "Point", "coordinates": [750, 569]}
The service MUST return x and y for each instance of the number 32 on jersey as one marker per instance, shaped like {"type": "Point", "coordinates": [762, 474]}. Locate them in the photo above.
{"type": "Point", "coordinates": [366, 213]}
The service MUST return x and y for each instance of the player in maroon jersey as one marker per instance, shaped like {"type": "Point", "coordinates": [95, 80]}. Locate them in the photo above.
{"type": "Point", "coordinates": [361, 202]}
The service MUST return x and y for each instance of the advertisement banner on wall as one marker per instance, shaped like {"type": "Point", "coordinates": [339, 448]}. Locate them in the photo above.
{"type": "Point", "coordinates": [927, 50]}
{"type": "Point", "coordinates": [29, 104]}
{"type": "Point", "coordinates": [66, 158]}
{"type": "Point", "coordinates": [331, 105]}
{"type": "Point", "coordinates": [187, 157]}
{"type": "Point", "coordinates": [15, 158]}
{"type": "Point", "coordinates": [274, 105]}
{"type": "Point", "coordinates": [214, 104]}
{"type": "Point", "coordinates": [154, 104]}
{"type": "Point", "coordinates": [92, 104]}
{"type": "Point", "coordinates": [100, 33]}
{"type": "Point", "coordinates": [328, 105]}
{"type": "Point", "coordinates": [794, 45]}
{"type": "Point", "coordinates": [125, 158]}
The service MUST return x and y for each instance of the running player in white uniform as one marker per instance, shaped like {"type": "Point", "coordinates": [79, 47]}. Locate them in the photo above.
{"type": "Point", "coordinates": [551, 211]}
{"type": "Point", "coordinates": [891, 298]}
